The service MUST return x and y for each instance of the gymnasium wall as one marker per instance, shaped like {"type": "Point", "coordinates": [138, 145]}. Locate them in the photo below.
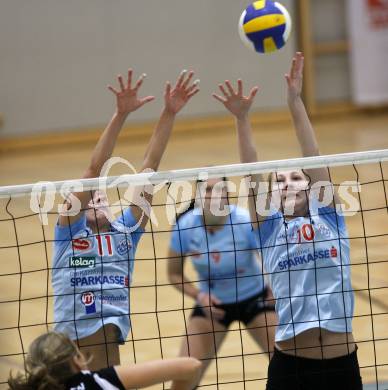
{"type": "Point", "coordinates": [329, 24]}
{"type": "Point", "coordinates": [58, 56]}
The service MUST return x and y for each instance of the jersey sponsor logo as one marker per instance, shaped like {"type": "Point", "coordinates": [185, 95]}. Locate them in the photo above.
{"type": "Point", "coordinates": [333, 252]}
{"type": "Point", "coordinates": [324, 230]}
{"type": "Point", "coordinates": [98, 280]}
{"type": "Point", "coordinates": [216, 256]}
{"type": "Point", "coordinates": [81, 244]}
{"type": "Point", "coordinates": [82, 262]}
{"type": "Point", "coordinates": [85, 272]}
{"type": "Point", "coordinates": [88, 299]}
{"type": "Point", "coordinates": [116, 300]}
{"type": "Point", "coordinates": [123, 247]}
{"type": "Point", "coordinates": [306, 258]}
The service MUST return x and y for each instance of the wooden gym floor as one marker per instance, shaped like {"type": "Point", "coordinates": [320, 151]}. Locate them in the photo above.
{"type": "Point", "coordinates": [163, 333]}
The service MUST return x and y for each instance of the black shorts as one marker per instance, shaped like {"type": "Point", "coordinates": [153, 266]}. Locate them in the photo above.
{"type": "Point", "coordinates": [287, 372]}
{"type": "Point", "coordinates": [244, 311]}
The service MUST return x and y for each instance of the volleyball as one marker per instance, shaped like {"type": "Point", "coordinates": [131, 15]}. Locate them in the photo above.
{"type": "Point", "coordinates": [265, 26]}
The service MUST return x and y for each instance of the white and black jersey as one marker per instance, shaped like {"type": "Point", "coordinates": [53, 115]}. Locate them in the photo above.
{"type": "Point", "coordinates": [105, 379]}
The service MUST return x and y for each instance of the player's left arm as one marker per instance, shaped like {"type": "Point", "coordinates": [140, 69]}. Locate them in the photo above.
{"type": "Point", "coordinates": [175, 98]}
{"type": "Point", "coordinates": [239, 106]}
{"type": "Point", "coordinates": [182, 371]}
{"type": "Point", "coordinates": [303, 127]}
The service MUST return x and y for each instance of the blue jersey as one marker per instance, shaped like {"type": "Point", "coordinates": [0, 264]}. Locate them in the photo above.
{"type": "Point", "coordinates": [226, 259]}
{"type": "Point", "coordinates": [91, 276]}
{"type": "Point", "coordinates": [307, 259]}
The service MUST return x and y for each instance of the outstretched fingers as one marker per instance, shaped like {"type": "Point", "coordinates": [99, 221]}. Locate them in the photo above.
{"type": "Point", "coordinates": [296, 66]}
{"type": "Point", "coordinates": [129, 82]}
{"type": "Point", "coordinates": [192, 93]}
{"type": "Point", "coordinates": [222, 89]}
{"type": "Point", "coordinates": [193, 86]}
{"type": "Point", "coordinates": [239, 88]}
{"type": "Point", "coordinates": [186, 83]}
{"type": "Point", "coordinates": [180, 79]}
{"type": "Point", "coordinates": [167, 90]}
{"type": "Point", "coordinates": [146, 100]}
{"type": "Point", "coordinates": [121, 82]}
{"type": "Point", "coordinates": [219, 98]}
{"type": "Point", "coordinates": [115, 91]}
{"type": "Point", "coordinates": [230, 88]}
{"type": "Point", "coordinates": [253, 93]}
{"type": "Point", "coordinates": [139, 82]}
{"type": "Point", "coordinates": [193, 89]}
{"type": "Point", "coordinates": [299, 63]}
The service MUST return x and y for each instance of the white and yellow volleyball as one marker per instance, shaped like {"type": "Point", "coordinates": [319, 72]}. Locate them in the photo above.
{"type": "Point", "coordinates": [265, 26]}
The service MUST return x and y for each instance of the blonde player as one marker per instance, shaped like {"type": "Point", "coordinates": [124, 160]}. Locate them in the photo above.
{"type": "Point", "coordinates": [93, 258]}
{"type": "Point", "coordinates": [55, 363]}
{"type": "Point", "coordinates": [305, 250]}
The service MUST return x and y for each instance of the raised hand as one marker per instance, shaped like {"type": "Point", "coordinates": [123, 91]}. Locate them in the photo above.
{"type": "Point", "coordinates": [234, 100]}
{"type": "Point", "coordinates": [295, 77]}
{"type": "Point", "coordinates": [176, 98]}
{"type": "Point", "coordinates": [127, 100]}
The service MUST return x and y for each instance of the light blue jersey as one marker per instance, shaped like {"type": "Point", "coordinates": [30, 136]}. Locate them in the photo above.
{"type": "Point", "coordinates": [309, 266]}
{"type": "Point", "coordinates": [226, 259]}
{"type": "Point", "coordinates": [91, 276]}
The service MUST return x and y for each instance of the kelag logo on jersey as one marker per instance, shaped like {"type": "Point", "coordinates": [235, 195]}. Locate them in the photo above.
{"type": "Point", "coordinates": [82, 262]}
{"type": "Point", "coordinates": [88, 299]}
{"type": "Point", "coordinates": [81, 244]}
{"type": "Point", "coordinates": [124, 247]}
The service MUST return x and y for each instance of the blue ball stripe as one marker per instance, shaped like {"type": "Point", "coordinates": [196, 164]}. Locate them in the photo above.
{"type": "Point", "coordinates": [253, 13]}
{"type": "Point", "coordinates": [276, 33]}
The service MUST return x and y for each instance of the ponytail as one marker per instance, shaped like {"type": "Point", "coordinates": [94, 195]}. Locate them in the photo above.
{"type": "Point", "coordinates": [36, 379]}
{"type": "Point", "coordinates": [48, 364]}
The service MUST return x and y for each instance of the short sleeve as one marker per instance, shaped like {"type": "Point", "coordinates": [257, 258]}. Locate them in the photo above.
{"type": "Point", "coordinates": [265, 230]}
{"type": "Point", "coordinates": [177, 242]}
{"type": "Point", "coordinates": [335, 219]}
{"type": "Point", "coordinates": [65, 233]}
{"type": "Point", "coordinates": [251, 237]}
{"type": "Point", "coordinates": [110, 375]}
{"type": "Point", "coordinates": [128, 220]}
{"type": "Point", "coordinates": [106, 378]}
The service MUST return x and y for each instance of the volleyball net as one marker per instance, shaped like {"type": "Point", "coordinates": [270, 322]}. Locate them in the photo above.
{"type": "Point", "coordinates": [159, 313]}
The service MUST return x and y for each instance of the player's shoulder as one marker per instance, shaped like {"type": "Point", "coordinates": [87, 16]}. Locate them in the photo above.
{"type": "Point", "coordinates": [239, 214]}
{"type": "Point", "coordinates": [190, 219]}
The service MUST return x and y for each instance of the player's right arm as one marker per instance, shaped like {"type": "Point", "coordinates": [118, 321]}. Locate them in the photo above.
{"type": "Point", "coordinates": [303, 127]}
{"type": "Point", "coordinates": [178, 279]}
{"type": "Point", "coordinates": [176, 276]}
{"type": "Point", "coordinates": [127, 101]}
{"type": "Point", "coordinates": [182, 371]}
{"type": "Point", "coordinates": [239, 106]}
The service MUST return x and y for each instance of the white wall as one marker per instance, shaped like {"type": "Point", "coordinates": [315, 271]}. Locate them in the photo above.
{"type": "Point", "coordinates": [329, 24]}
{"type": "Point", "coordinates": [57, 56]}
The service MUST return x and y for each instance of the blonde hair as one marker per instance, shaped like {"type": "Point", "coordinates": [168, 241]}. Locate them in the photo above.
{"type": "Point", "coordinates": [48, 364]}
